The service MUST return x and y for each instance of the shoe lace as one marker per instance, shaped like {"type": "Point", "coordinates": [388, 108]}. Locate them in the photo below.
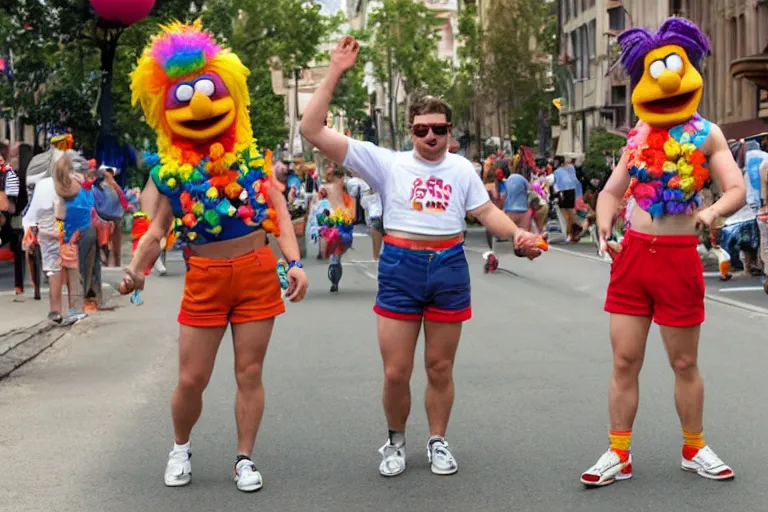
{"type": "Point", "coordinates": [441, 448]}
{"type": "Point", "coordinates": [389, 450]}
{"type": "Point", "coordinates": [246, 467]}
{"type": "Point", "coordinates": [606, 460]}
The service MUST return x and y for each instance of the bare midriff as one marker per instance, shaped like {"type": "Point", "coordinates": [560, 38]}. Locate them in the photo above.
{"type": "Point", "coordinates": [668, 225]}
{"type": "Point", "coordinates": [228, 249]}
{"type": "Point", "coordinates": [414, 236]}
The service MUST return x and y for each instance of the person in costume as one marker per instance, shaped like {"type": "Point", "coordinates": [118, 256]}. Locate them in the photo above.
{"type": "Point", "coordinates": [423, 274]}
{"type": "Point", "coordinates": [656, 272]}
{"type": "Point", "coordinates": [332, 222]}
{"type": "Point", "coordinates": [211, 182]}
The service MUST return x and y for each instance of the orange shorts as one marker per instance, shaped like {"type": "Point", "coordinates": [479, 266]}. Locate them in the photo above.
{"type": "Point", "coordinates": [237, 290]}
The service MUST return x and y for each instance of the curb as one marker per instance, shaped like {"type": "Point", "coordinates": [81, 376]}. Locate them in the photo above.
{"type": "Point", "coordinates": [19, 346]}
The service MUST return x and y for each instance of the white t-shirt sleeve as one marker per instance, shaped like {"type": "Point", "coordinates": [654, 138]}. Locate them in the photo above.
{"type": "Point", "coordinates": [369, 161]}
{"type": "Point", "coordinates": [477, 196]}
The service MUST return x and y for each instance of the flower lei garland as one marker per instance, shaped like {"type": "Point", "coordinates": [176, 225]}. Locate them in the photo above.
{"type": "Point", "coordinates": [667, 167]}
{"type": "Point", "coordinates": [215, 187]}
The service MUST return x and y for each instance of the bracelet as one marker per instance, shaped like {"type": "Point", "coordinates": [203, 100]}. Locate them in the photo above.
{"type": "Point", "coordinates": [295, 263]}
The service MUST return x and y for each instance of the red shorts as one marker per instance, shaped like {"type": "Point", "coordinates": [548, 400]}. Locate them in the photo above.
{"type": "Point", "coordinates": [660, 277]}
{"type": "Point", "coordinates": [238, 290]}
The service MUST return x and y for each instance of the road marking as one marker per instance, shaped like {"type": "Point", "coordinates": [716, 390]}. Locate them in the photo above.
{"type": "Point", "coordinates": [741, 289]}
{"type": "Point", "coordinates": [709, 296]}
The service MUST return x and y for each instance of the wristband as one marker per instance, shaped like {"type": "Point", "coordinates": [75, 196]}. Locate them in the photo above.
{"type": "Point", "coordinates": [295, 263]}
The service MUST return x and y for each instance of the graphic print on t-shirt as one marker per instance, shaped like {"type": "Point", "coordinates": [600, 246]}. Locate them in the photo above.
{"type": "Point", "coordinates": [431, 195]}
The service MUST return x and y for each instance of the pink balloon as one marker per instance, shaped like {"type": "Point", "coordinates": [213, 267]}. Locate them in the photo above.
{"type": "Point", "coordinates": [127, 12]}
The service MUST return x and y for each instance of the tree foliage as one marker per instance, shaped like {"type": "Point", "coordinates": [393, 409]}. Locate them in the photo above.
{"type": "Point", "coordinates": [603, 147]}
{"type": "Point", "coordinates": [57, 46]}
{"type": "Point", "coordinates": [518, 41]}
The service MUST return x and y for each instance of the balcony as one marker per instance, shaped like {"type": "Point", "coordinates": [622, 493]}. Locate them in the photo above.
{"type": "Point", "coordinates": [753, 68]}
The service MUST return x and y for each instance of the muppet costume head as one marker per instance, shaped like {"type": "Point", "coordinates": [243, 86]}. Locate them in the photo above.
{"type": "Point", "coordinates": [664, 159]}
{"type": "Point", "coordinates": [194, 95]}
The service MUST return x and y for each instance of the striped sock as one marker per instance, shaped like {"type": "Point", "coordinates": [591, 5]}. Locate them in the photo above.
{"type": "Point", "coordinates": [620, 443]}
{"type": "Point", "coordinates": [692, 443]}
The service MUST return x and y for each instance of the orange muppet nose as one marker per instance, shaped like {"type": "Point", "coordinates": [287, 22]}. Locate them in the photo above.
{"type": "Point", "coordinates": [201, 106]}
{"type": "Point", "coordinates": [669, 81]}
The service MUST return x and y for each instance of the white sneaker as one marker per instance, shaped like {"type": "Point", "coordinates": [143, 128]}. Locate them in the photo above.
{"type": "Point", "coordinates": [159, 267]}
{"type": "Point", "coordinates": [607, 470]}
{"type": "Point", "coordinates": [393, 459]}
{"type": "Point", "coordinates": [707, 464]}
{"type": "Point", "coordinates": [178, 471]}
{"type": "Point", "coordinates": [441, 458]}
{"type": "Point", "coordinates": [247, 477]}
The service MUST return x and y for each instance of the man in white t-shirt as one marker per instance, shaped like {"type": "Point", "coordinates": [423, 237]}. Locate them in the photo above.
{"type": "Point", "coordinates": [423, 274]}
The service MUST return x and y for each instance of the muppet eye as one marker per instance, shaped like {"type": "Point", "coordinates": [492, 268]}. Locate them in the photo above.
{"type": "Point", "coordinates": [205, 87]}
{"type": "Point", "coordinates": [657, 68]}
{"type": "Point", "coordinates": [184, 93]}
{"type": "Point", "coordinates": [674, 62]}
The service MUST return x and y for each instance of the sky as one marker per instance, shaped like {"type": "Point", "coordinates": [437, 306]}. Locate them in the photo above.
{"type": "Point", "coordinates": [331, 6]}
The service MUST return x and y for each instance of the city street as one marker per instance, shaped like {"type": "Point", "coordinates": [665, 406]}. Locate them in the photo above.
{"type": "Point", "coordinates": [86, 425]}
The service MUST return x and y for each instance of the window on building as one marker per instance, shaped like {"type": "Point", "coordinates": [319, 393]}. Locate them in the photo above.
{"type": "Point", "coordinates": [618, 94]}
{"type": "Point", "coordinates": [567, 9]}
{"type": "Point", "coordinates": [576, 53]}
{"type": "Point", "coordinates": [616, 19]}
{"type": "Point", "coordinates": [592, 38]}
{"type": "Point", "coordinates": [762, 26]}
{"type": "Point", "coordinates": [586, 43]}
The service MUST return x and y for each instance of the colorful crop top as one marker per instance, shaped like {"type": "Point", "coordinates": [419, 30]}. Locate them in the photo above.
{"type": "Point", "coordinates": [78, 214]}
{"type": "Point", "coordinates": [222, 197]}
{"type": "Point", "coordinates": [667, 167]}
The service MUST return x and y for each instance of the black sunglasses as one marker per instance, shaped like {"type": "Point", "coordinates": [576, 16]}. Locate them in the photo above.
{"type": "Point", "coordinates": [422, 130]}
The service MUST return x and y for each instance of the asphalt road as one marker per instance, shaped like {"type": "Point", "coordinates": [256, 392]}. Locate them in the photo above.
{"type": "Point", "coordinates": [86, 427]}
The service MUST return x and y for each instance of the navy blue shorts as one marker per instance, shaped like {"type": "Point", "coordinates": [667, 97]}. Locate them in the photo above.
{"type": "Point", "coordinates": [416, 284]}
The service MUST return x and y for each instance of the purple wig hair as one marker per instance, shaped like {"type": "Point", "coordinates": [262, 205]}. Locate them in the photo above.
{"type": "Point", "coordinates": [637, 42]}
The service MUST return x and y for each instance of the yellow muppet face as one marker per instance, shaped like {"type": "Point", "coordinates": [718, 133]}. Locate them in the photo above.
{"type": "Point", "coordinates": [670, 89]}
{"type": "Point", "coordinates": [200, 109]}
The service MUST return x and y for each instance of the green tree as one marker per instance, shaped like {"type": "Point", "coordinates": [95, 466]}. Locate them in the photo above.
{"type": "Point", "coordinates": [406, 34]}
{"type": "Point", "coordinates": [270, 34]}
{"type": "Point", "coordinates": [518, 41]}
{"type": "Point", "coordinates": [603, 148]}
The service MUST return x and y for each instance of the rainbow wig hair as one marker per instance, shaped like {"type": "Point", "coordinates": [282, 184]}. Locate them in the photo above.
{"type": "Point", "coordinates": [637, 42]}
{"type": "Point", "coordinates": [182, 52]}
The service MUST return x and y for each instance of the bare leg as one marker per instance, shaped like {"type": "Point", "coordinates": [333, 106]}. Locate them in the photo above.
{"type": "Point", "coordinates": [628, 338]}
{"type": "Point", "coordinates": [442, 340]}
{"type": "Point", "coordinates": [522, 219]}
{"type": "Point", "coordinates": [56, 284]}
{"type": "Point", "coordinates": [397, 342]}
{"type": "Point", "coordinates": [683, 351]}
{"type": "Point", "coordinates": [540, 218]}
{"type": "Point", "coordinates": [197, 355]}
{"type": "Point", "coordinates": [250, 342]}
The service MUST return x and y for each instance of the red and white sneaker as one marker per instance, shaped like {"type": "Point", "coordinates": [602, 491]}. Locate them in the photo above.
{"type": "Point", "coordinates": [607, 470]}
{"type": "Point", "coordinates": [707, 464]}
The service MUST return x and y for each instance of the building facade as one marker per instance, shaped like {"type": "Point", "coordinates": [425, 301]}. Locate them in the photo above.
{"type": "Point", "coordinates": [595, 90]}
{"type": "Point", "coordinates": [737, 29]}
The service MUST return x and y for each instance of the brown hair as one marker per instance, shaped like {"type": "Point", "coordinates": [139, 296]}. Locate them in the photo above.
{"type": "Point", "coordinates": [5, 151]}
{"type": "Point", "coordinates": [429, 105]}
{"type": "Point", "coordinates": [61, 176]}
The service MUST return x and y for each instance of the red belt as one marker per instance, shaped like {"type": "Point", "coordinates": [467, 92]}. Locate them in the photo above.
{"type": "Point", "coordinates": [423, 245]}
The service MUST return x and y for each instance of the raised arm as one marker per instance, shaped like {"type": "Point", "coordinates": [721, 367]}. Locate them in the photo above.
{"type": "Point", "coordinates": [329, 142]}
